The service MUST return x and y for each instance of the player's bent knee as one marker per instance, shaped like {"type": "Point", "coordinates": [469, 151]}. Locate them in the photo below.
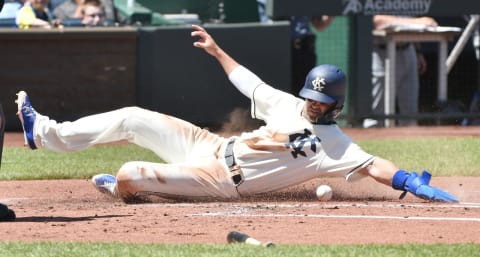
{"type": "Point", "coordinates": [127, 168]}
{"type": "Point", "coordinates": [132, 109]}
{"type": "Point", "coordinates": [125, 177]}
{"type": "Point", "coordinates": [129, 172]}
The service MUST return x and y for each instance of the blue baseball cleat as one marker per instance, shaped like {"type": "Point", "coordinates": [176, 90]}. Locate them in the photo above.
{"type": "Point", "coordinates": [105, 183]}
{"type": "Point", "coordinates": [27, 116]}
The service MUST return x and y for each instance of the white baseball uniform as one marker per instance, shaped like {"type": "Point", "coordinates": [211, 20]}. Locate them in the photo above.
{"type": "Point", "coordinates": [287, 151]}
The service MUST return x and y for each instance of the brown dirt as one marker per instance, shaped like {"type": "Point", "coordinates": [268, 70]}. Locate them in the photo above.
{"type": "Point", "coordinates": [361, 212]}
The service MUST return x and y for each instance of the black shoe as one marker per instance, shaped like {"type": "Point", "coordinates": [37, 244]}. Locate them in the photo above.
{"type": "Point", "coordinates": [6, 214]}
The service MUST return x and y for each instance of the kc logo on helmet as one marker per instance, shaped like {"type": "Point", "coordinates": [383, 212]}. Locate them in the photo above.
{"type": "Point", "coordinates": [318, 84]}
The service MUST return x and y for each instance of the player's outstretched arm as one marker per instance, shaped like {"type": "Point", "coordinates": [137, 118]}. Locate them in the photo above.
{"type": "Point", "coordinates": [243, 79]}
{"type": "Point", "coordinates": [207, 43]}
{"type": "Point", "coordinates": [386, 172]}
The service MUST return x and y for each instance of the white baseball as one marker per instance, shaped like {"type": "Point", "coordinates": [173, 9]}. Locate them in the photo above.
{"type": "Point", "coordinates": [324, 193]}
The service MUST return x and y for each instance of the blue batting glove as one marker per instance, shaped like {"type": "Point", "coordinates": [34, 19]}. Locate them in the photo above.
{"type": "Point", "coordinates": [419, 186]}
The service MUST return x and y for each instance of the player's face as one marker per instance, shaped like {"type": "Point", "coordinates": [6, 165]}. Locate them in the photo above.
{"type": "Point", "coordinates": [314, 109]}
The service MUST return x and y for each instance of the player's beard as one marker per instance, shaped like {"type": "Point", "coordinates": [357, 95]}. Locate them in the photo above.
{"type": "Point", "coordinates": [312, 112]}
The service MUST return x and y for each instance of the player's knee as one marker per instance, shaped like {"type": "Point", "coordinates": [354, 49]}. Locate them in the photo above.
{"type": "Point", "coordinates": [133, 117]}
{"type": "Point", "coordinates": [125, 179]}
{"type": "Point", "coordinates": [132, 109]}
{"type": "Point", "coordinates": [128, 171]}
{"type": "Point", "coordinates": [129, 113]}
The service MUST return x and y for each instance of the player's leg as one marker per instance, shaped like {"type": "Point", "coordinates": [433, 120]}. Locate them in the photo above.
{"type": "Point", "coordinates": [170, 138]}
{"type": "Point", "coordinates": [207, 178]}
{"type": "Point", "coordinates": [378, 88]}
{"type": "Point", "coordinates": [407, 84]}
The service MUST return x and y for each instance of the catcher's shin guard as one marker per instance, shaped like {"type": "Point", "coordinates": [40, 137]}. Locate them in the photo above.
{"type": "Point", "coordinates": [419, 186]}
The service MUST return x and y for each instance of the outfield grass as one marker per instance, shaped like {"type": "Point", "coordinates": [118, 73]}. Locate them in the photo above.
{"type": "Point", "coordinates": [24, 164]}
{"type": "Point", "coordinates": [441, 156]}
{"type": "Point", "coordinates": [237, 250]}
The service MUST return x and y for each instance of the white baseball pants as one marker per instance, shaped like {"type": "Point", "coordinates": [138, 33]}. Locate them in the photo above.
{"type": "Point", "coordinates": [195, 165]}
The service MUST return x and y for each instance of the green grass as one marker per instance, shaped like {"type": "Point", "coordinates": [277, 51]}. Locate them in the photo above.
{"type": "Point", "coordinates": [441, 156]}
{"type": "Point", "coordinates": [25, 164]}
{"type": "Point", "coordinates": [237, 250]}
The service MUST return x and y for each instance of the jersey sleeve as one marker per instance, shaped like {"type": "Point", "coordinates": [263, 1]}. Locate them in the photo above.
{"type": "Point", "coordinates": [266, 100]}
{"type": "Point", "coordinates": [269, 102]}
{"type": "Point", "coordinates": [244, 80]}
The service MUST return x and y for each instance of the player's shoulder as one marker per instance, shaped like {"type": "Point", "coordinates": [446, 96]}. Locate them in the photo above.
{"type": "Point", "coordinates": [331, 131]}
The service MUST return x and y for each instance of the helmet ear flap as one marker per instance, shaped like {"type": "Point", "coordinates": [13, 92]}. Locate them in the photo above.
{"type": "Point", "coordinates": [336, 112]}
{"type": "Point", "coordinates": [330, 115]}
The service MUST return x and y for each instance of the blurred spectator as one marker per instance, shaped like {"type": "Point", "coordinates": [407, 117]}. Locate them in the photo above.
{"type": "Point", "coordinates": [303, 42]}
{"type": "Point", "coordinates": [409, 64]}
{"type": "Point", "coordinates": [71, 9]}
{"type": "Point", "coordinates": [10, 9]}
{"type": "Point", "coordinates": [92, 13]}
{"type": "Point", "coordinates": [35, 14]}
{"type": "Point", "coordinates": [55, 3]}
{"type": "Point", "coordinates": [262, 11]}
{"type": "Point", "coordinates": [303, 45]}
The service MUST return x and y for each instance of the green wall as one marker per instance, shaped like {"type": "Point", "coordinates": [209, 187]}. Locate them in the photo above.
{"type": "Point", "coordinates": [333, 47]}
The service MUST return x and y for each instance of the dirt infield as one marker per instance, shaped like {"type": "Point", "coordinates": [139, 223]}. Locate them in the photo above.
{"type": "Point", "coordinates": [361, 212]}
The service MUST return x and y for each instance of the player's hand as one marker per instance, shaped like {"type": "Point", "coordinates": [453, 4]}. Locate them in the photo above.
{"type": "Point", "coordinates": [419, 186]}
{"type": "Point", "coordinates": [421, 63]}
{"type": "Point", "coordinates": [205, 41]}
{"type": "Point", "coordinates": [436, 194]}
{"type": "Point", "coordinates": [427, 21]}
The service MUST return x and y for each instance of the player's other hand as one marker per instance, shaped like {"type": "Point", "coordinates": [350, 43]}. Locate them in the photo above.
{"type": "Point", "coordinates": [205, 41]}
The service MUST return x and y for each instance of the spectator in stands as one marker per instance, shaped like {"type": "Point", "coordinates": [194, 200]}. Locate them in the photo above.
{"type": "Point", "coordinates": [409, 64]}
{"type": "Point", "coordinates": [55, 3]}
{"type": "Point", "coordinates": [71, 9]}
{"type": "Point", "coordinates": [10, 9]}
{"type": "Point", "coordinates": [92, 13]}
{"type": "Point", "coordinates": [36, 14]}
{"type": "Point", "coordinates": [303, 42]}
{"type": "Point", "coordinates": [303, 45]}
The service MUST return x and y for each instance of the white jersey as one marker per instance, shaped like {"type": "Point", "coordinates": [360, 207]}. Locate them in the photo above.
{"type": "Point", "coordinates": [290, 150]}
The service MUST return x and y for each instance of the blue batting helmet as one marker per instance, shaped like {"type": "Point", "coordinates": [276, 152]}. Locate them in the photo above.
{"type": "Point", "coordinates": [325, 83]}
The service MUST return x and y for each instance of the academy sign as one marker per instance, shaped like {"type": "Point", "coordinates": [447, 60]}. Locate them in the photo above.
{"type": "Point", "coordinates": [395, 7]}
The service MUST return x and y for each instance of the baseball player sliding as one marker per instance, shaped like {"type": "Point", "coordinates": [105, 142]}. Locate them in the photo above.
{"type": "Point", "coordinates": [299, 142]}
